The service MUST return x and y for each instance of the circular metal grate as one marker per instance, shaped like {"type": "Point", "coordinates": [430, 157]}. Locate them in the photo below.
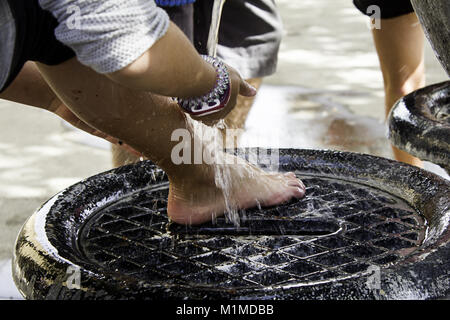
{"type": "Point", "coordinates": [339, 230]}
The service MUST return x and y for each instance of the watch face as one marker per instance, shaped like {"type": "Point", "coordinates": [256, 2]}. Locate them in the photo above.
{"type": "Point", "coordinates": [212, 106]}
{"type": "Point", "coordinates": [208, 110]}
{"type": "Point", "coordinates": [216, 99]}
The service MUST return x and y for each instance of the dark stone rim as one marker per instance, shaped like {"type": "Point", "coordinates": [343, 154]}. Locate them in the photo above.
{"type": "Point", "coordinates": [40, 273]}
{"type": "Point", "coordinates": [434, 16]}
{"type": "Point", "coordinates": [414, 129]}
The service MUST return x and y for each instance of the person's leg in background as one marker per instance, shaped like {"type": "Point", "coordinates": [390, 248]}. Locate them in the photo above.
{"type": "Point", "coordinates": [400, 47]}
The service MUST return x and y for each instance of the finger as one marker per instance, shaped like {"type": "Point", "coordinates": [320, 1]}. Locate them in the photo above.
{"type": "Point", "coordinates": [246, 89]}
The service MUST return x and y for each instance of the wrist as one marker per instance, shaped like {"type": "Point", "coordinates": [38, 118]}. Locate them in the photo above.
{"type": "Point", "coordinates": [203, 81]}
{"type": "Point", "coordinates": [216, 98]}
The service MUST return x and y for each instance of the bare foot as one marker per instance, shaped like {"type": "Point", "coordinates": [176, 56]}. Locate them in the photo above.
{"type": "Point", "coordinates": [200, 197]}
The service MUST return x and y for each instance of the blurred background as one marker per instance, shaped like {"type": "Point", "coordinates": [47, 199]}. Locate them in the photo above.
{"type": "Point", "coordinates": [327, 94]}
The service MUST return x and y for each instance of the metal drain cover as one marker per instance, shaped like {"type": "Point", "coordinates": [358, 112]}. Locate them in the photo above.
{"type": "Point", "coordinates": [340, 229]}
{"type": "Point", "coordinates": [357, 234]}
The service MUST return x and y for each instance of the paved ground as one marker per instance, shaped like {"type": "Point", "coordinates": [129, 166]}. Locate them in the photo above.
{"type": "Point", "coordinates": [327, 93]}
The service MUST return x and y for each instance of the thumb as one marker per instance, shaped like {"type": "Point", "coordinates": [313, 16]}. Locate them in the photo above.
{"type": "Point", "coordinates": [246, 89]}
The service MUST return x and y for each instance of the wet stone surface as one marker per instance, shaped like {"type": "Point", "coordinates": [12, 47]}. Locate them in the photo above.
{"type": "Point", "coordinates": [420, 124]}
{"type": "Point", "coordinates": [339, 229]}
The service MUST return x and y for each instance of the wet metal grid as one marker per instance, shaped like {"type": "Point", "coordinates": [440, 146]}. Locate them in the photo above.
{"type": "Point", "coordinates": [343, 229]}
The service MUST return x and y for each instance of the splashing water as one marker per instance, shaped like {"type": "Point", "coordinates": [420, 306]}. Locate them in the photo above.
{"type": "Point", "coordinates": [229, 171]}
{"type": "Point", "coordinates": [222, 174]}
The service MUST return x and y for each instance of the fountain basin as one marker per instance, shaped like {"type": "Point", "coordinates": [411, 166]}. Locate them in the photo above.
{"type": "Point", "coordinates": [368, 228]}
{"type": "Point", "coordinates": [434, 16]}
{"type": "Point", "coordinates": [419, 124]}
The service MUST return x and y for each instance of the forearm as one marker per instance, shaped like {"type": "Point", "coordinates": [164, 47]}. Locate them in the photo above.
{"type": "Point", "coordinates": [171, 67]}
{"type": "Point", "coordinates": [142, 120]}
{"type": "Point", "coordinates": [30, 88]}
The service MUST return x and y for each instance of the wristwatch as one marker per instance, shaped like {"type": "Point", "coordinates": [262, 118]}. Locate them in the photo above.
{"type": "Point", "coordinates": [216, 99]}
